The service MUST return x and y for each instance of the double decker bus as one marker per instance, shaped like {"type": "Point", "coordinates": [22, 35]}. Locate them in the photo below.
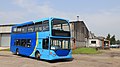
{"type": "Point", "coordinates": [47, 38]}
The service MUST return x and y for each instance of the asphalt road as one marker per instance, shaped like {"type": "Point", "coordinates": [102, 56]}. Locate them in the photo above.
{"type": "Point", "coordinates": [110, 58]}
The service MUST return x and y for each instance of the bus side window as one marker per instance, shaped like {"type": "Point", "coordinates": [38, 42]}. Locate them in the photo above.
{"type": "Point", "coordinates": [38, 26]}
{"type": "Point", "coordinates": [17, 42]}
{"type": "Point", "coordinates": [28, 43]}
{"type": "Point", "coordinates": [31, 28]}
{"type": "Point", "coordinates": [24, 29]}
{"type": "Point", "coordinates": [46, 25]}
{"type": "Point", "coordinates": [23, 42]}
{"type": "Point", "coordinates": [14, 30]}
{"type": "Point", "coordinates": [45, 43]}
{"type": "Point", "coordinates": [19, 29]}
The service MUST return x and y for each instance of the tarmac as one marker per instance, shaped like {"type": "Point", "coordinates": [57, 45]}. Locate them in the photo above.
{"type": "Point", "coordinates": [108, 58]}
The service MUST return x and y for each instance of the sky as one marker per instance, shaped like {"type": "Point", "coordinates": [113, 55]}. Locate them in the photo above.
{"type": "Point", "coordinates": [100, 16]}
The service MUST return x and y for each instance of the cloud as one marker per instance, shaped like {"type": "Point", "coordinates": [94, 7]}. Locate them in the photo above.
{"type": "Point", "coordinates": [31, 10]}
{"type": "Point", "coordinates": [28, 10]}
{"type": "Point", "coordinates": [101, 23]}
{"type": "Point", "coordinates": [104, 22]}
{"type": "Point", "coordinates": [10, 17]}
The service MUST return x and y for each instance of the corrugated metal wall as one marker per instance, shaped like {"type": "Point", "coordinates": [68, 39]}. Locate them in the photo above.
{"type": "Point", "coordinates": [5, 40]}
{"type": "Point", "coordinates": [5, 31]}
{"type": "Point", "coordinates": [80, 33]}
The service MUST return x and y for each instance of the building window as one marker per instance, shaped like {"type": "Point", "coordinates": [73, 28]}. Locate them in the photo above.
{"type": "Point", "coordinates": [93, 42]}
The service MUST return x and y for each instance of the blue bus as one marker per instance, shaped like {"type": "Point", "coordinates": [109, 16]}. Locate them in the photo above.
{"type": "Point", "coordinates": [47, 38]}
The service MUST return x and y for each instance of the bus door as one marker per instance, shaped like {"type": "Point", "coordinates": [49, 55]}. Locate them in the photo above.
{"type": "Point", "coordinates": [45, 48]}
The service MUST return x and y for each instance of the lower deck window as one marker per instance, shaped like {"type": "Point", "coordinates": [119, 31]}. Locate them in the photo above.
{"type": "Point", "coordinates": [28, 42]}
{"type": "Point", "coordinates": [60, 44]}
{"type": "Point", "coordinates": [17, 42]}
{"type": "Point", "coordinates": [22, 42]}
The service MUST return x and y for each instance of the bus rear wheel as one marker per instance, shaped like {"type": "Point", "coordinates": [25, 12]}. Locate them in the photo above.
{"type": "Point", "coordinates": [17, 52]}
{"type": "Point", "coordinates": [37, 55]}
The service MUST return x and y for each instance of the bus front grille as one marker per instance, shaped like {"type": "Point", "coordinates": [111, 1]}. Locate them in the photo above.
{"type": "Point", "coordinates": [62, 52]}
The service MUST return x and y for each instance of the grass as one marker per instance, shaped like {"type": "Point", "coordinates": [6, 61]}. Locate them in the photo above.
{"type": "Point", "coordinates": [5, 49]}
{"type": "Point", "coordinates": [85, 51]}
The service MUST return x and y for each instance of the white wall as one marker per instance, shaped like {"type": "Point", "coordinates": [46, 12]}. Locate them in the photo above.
{"type": "Point", "coordinates": [5, 29]}
{"type": "Point", "coordinates": [97, 44]}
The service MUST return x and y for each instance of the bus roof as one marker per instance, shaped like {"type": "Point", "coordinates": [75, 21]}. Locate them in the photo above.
{"type": "Point", "coordinates": [23, 24]}
{"type": "Point", "coordinates": [35, 21]}
{"type": "Point", "coordinates": [43, 19]}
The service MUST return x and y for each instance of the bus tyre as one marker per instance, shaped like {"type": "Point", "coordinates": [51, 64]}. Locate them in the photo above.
{"type": "Point", "coordinates": [17, 52]}
{"type": "Point", "coordinates": [37, 55]}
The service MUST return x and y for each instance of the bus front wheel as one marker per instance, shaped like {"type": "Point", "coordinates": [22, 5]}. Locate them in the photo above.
{"type": "Point", "coordinates": [37, 55]}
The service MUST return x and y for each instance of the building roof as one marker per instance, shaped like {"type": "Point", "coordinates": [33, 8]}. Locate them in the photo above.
{"type": "Point", "coordinates": [7, 24]}
{"type": "Point", "coordinates": [82, 22]}
{"type": "Point", "coordinates": [78, 22]}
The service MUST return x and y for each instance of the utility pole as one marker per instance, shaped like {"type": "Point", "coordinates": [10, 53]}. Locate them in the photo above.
{"type": "Point", "coordinates": [77, 18]}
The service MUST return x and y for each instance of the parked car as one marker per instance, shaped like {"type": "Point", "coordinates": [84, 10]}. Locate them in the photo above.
{"type": "Point", "coordinates": [114, 46]}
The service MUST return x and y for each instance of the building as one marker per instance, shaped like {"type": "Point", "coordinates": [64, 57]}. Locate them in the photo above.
{"type": "Point", "coordinates": [5, 31]}
{"type": "Point", "coordinates": [95, 42]}
{"type": "Point", "coordinates": [99, 42]}
{"type": "Point", "coordinates": [91, 35]}
{"type": "Point", "coordinates": [80, 33]}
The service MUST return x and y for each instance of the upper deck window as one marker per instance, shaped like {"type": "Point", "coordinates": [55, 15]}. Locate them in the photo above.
{"type": "Point", "coordinates": [38, 26]}
{"type": "Point", "coordinates": [24, 29]}
{"type": "Point", "coordinates": [14, 30]}
{"type": "Point", "coordinates": [31, 28]}
{"type": "Point", "coordinates": [58, 24]}
{"type": "Point", "coordinates": [46, 25]}
{"type": "Point", "coordinates": [19, 29]}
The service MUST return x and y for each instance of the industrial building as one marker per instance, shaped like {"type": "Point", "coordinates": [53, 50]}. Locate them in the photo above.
{"type": "Point", "coordinates": [5, 31]}
{"type": "Point", "coordinates": [80, 33]}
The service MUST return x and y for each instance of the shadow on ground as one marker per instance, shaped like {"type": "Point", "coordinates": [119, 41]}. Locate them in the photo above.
{"type": "Point", "coordinates": [50, 61]}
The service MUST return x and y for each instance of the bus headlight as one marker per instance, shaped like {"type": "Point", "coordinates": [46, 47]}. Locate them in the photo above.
{"type": "Point", "coordinates": [51, 53]}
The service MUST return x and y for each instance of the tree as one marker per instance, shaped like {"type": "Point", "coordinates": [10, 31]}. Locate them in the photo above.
{"type": "Point", "coordinates": [113, 40]}
{"type": "Point", "coordinates": [118, 42]}
{"type": "Point", "coordinates": [108, 37]}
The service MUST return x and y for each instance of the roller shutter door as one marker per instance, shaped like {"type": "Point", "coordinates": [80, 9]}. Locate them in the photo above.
{"type": "Point", "coordinates": [5, 40]}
